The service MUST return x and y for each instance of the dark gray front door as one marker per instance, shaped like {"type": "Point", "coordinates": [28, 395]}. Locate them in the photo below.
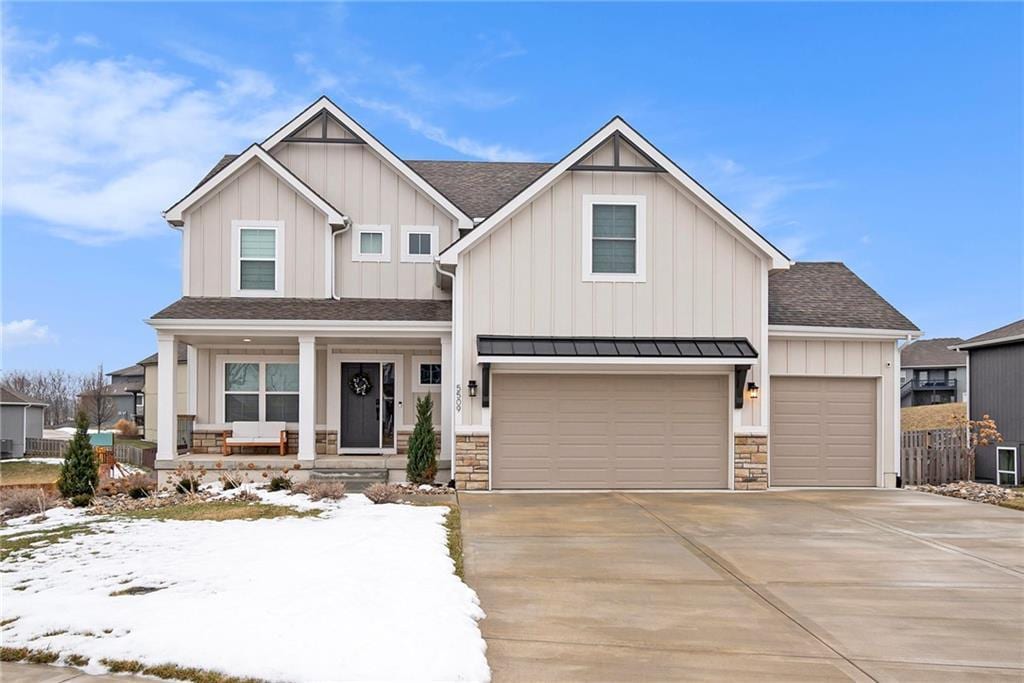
{"type": "Point", "coordinates": [360, 414]}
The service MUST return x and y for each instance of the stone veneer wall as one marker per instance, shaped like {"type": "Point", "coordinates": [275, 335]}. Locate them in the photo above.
{"type": "Point", "coordinates": [750, 463]}
{"type": "Point", "coordinates": [211, 442]}
{"type": "Point", "coordinates": [471, 462]}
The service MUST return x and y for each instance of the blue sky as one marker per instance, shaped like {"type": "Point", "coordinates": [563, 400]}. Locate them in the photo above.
{"type": "Point", "coordinates": [886, 136]}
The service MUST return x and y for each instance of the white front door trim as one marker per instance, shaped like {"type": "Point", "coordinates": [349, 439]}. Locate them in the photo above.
{"type": "Point", "coordinates": [334, 361]}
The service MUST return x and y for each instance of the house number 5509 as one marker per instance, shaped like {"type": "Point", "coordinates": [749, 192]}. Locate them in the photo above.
{"type": "Point", "coordinates": [458, 398]}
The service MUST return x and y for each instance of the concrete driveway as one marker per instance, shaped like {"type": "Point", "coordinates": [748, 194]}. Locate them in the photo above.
{"type": "Point", "coordinates": [812, 585]}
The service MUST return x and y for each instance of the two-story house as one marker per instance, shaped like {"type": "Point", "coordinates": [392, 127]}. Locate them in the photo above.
{"type": "Point", "coordinates": [932, 372]}
{"type": "Point", "coordinates": [600, 322]}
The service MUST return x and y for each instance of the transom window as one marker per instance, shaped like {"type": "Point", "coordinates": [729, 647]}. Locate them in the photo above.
{"type": "Point", "coordinates": [261, 391]}
{"type": "Point", "coordinates": [372, 243]}
{"type": "Point", "coordinates": [1006, 466]}
{"type": "Point", "coordinates": [257, 248]}
{"type": "Point", "coordinates": [614, 238]}
{"type": "Point", "coordinates": [419, 243]}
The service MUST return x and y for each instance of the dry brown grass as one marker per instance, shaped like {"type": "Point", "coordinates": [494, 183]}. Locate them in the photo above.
{"type": "Point", "coordinates": [220, 511]}
{"type": "Point", "coordinates": [939, 416]}
{"type": "Point", "coordinates": [19, 473]}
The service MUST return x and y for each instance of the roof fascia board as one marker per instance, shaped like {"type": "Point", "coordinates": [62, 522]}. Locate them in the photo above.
{"type": "Point", "coordinates": [376, 145]}
{"type": "Point", "coordinates": [616, 125]}
{"type": "Point", "coordinates": [278, 327]}
{"type": "Point", "coordinates": [811, 332]}
{"type": "Point", "coordinates": [987, 342]}
{"type": "Point", "coordinates": [936, 366]}
{"type": "Point", "coordinates": [175, 214]}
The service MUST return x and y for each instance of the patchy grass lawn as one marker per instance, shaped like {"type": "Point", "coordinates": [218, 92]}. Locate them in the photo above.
{"type": "Point", "coordinates": [1014, 503]}
{"type": "Point", "coordinates": [931, 417]}
{"type": "Point", "coordinates": [15, 472]}
{"type": "Point", "coordinates": [25, 543]}
{"type": "Point", "coordinates": [220, 511]}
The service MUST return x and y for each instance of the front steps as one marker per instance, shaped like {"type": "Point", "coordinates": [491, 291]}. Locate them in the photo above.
{"type": "Point", "coordinates": [356, 480]}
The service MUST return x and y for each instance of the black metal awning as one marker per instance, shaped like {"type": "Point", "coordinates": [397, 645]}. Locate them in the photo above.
{"type": "Point", "coordinates": [726, 349]}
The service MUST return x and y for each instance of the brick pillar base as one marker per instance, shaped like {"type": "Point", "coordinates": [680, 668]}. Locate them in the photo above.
{"type": "Point", "coordinates": [471, 462]}
{"type": "Point", "coordinates": [750, 463]}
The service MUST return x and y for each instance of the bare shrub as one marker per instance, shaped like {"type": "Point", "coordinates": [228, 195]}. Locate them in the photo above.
{"type": "Point", "coordinates": [27, 502]}
{"type": "Point", "coordinates": [127, 428]}
{"type": "Point", "coordinates": [137, 485]}
{"type": "Point", "coordinates": [319, 490]}
{"type": "Point", "coordinates": [279, 483]}
{"type": "Point", "coordinates": [382, 493]}
{"type": "Point", "coordinates": [248, 496]}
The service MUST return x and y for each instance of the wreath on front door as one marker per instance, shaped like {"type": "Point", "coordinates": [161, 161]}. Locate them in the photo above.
{"type": "Point", "coordinates": [360, 384]}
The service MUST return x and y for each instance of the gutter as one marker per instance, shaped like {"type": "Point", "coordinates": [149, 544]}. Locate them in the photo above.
{"type": "Point", "coordinates": [334, 247]}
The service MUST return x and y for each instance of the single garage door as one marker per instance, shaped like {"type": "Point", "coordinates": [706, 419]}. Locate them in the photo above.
{"type": "Point", "coordinates": [823, 431]}
{"type": "Point", "coordinates": [609, 431]}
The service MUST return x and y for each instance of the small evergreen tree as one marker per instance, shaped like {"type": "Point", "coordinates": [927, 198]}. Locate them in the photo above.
{"type": "Point", "coordinates": [421, 465]}
{"type": "Point", "coordinates": [79, 475]}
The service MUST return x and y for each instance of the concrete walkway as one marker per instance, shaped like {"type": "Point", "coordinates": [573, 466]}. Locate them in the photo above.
{"type": "Point", "coordinates": [784, 585]}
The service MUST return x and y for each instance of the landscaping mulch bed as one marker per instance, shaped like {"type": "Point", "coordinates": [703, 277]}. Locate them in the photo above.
{"type": "Point", "coordinates": [122, 502]}
{"type": "Point", "coordinates": [977, 492]}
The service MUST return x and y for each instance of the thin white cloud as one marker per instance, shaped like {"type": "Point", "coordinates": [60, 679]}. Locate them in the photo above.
{"type": "Point", "coordinates": [461, 143]}
{"type": "Point", "coordinates": [95, 149]}
{"type": "Point", "coordinates": [86, 40]}
{"type": "Point", "coordinates": [27, 332]}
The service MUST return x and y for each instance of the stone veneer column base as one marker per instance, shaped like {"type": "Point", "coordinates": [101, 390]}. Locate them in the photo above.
{"type": "Point", "coordinates": [750, 463]}
{"type": "Point", "coordinates": [471, 462]}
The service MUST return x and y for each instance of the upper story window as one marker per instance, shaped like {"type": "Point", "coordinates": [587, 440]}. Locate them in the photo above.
{"type": "Point", "coordinates": [614, 238]}
{"type": "Point", "coordinates": [257, 247]}
{"type": "Point", "coordinates": [371, 243]}
{"type": "Point", "coordinates": [419, 243]}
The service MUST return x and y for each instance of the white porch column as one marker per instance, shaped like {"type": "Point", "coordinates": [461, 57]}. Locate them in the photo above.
{"type": "Point", "coordinates": [447, 399]}
{"type": "Point", "coordinates": [192, 370]}
{"type": "Point", "coordinates": [307, 398]}
{"type": "Point", "coordinates": [166, 397]}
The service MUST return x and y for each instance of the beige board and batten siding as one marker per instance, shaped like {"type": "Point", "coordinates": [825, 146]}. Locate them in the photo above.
{"type": "Point", "coordinates": [525, 277]}
{"type": "Point", "coordinates": [255, 193]}
{"type": "Point", "coordinates": [582, 431]}
{"type": "Point", "coordinates": [370, 191]}
{"type": "Point", "coordinates": [838, 358]}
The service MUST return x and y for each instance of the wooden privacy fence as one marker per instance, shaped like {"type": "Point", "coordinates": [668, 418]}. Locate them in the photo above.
{"type": "Point", "coordinates": [56, 448]}
{"type": "Point", "coordinates": [935, 456]}
{"type": "Point", "coordinates": [133, 455]}
{"type": "Point", "coordinates": [46, 448]}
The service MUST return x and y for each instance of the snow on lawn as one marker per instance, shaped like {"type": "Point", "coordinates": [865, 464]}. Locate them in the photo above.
{"type": "Point", "coordinates": [363, 592]}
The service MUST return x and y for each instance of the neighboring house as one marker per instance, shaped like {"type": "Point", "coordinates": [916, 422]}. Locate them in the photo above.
{"type": "Point", "coordinates": [995, 381]}
{"type": "Point", "coordinates": [932, 372]}
{"type": "Point", "coordinates": [127, 390]}
{"type": "Point", "coordinates": [601, 322]}
{"type": "Point", "coordinates": [150, 393]}
{"type": "Point", "coordinates": [21, 418]}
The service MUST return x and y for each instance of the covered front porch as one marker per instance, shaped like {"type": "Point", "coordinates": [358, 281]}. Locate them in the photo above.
{"type": "Point", "coordinates": [337, 395]}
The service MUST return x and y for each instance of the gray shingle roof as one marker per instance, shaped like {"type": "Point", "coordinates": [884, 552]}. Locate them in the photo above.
{"type": "Point", "coordinates": [1014, 329]}
{"type": "Point", "coordinates": [479, 188]}
{"type": "Point", "coordinates": [828, 294]}
{"type": "Point", "coordinates": [267, 308]}
{"type": "Point", "coordinates": [10, 396]}
{"type": "Point", "coordinates": [933, 353]}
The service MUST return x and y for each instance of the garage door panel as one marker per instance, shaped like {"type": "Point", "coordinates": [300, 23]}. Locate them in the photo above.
{"type": "Point", "coordinates": [823, 431]}
{"type": "Point", "coordinates": [610, 431]}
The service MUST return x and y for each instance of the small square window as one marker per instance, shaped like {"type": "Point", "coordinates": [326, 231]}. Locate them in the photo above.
{"type": "Point", "coordinates": [430, 373]}
{"type": "Point", "coordinates": [371, 243]}
{"type": "Point", "coordinates": [419, 244]}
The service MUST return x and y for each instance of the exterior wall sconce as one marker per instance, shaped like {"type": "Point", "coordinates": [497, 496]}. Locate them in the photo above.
{"type": "Point", "coordinates": [471, 384]}
{"type": "Point", "coordinates": [753, 391]}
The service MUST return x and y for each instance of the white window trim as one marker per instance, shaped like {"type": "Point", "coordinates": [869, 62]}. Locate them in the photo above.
{"type": "Point", "coordinates": [236, 257]}
{"type": "Point", "coordinates": [640, 202]}
{"type": "Point", "coordinates": [1014, 472]}
{"type": "Point", "coordinates": [419, 388]}
{"type": "Point", "coordinates": [407, 230]}
{"type": "Point", "coordinates": [262, 392]}
{"type": "Point", "coordinates": [384, 256]}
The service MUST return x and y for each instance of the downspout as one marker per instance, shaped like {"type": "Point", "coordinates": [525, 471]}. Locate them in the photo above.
{"type": "Point", "coordinates": [334, 247]}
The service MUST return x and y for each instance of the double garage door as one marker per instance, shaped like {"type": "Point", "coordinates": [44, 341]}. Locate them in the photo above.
{"type": "Point", "coordinates": [609, 431]}
{"type": "Point", "coordinates": [578, 431]}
